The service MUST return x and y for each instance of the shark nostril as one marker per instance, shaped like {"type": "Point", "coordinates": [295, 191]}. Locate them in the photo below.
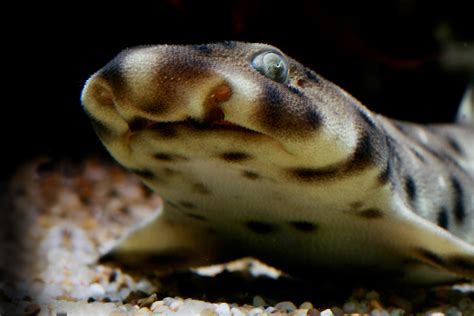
{"type": "Point", "coordinates": [221, 93]}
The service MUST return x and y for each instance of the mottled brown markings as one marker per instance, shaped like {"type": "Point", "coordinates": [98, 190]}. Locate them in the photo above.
{"type": "Point", "coordinates": [304, 226]}
{"type": "Point", "coordinates": [200, 188]}
{"type": "Point", "coordinates": [277, 115]}
{"type": "Point", "coordinates": [411, 188]}
{"type": "Point", "coordinates": [235, 156]}
{"type": "Point", "coordinates": [187, 204]}
{"type": "Point", "coordinates": [262, 228]}
{"type": "Point", "coordinates": [251, 175]}
{"type": "Point", "coordinates": [458, 193]}
{"type": "Point", "coordinates": [371, 213]}
{"type": "Point", "coordinates": [301, 83]}
{"type": "Point", "coordinates": [429, 257]}
{"type": "Point", "coordinates": [443, 218]}
{"type": "Point", "coordinates": [113, 73]}
{"type": "Point", "coordinates": [361, 158]}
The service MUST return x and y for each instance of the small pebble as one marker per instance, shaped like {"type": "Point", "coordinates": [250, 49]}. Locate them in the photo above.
{"type": "Point", "coordinates": [313, 312]}
{"type": "Point", "coordinates": [327, 312]}
{"type": "Point", "coordinates": [258, 301]}
{"type": "Point", "coordinates": [350, 307]}
{"type": "Point", "coordinates": [223, 309]}
{"type": "Point", "coordinates": [337, 311]}
{"type": "Point", "coordinates": [286, 306]}
{"type": "Point", "coordinates": [306, 305]}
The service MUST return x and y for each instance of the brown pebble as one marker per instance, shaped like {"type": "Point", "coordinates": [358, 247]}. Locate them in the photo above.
{"type": "Point", "coordinates": [313, 312]}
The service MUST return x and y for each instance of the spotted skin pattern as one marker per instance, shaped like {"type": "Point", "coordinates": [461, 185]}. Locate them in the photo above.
{"type": "Point", "coordinates": [283, 166]}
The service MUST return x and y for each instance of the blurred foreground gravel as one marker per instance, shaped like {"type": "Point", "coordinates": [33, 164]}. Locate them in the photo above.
{"type": "Point", "coordinates": [59, 217]}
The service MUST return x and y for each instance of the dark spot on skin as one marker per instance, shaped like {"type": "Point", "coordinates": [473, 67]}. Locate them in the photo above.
{"type": "Point", "coordinates": [165, 130]}
{"type": "Point", "coordinates": [418, 154]}
{"type": "Point", "coordinates": [260, 227]}
{"type": "Point", "coordinates": [250, 175]}
{"type": "Point", "coordinates": [187, 204]}
{"type": "Point", "coordinates": [163, 157]}
{"type": "Point", "coordinates": [455, 146]}
{"type": "Point", "coordinates": [203, 48]}
{"type": "Point", "coordinates": [410, 188]}
{"type": "Point", "coordinates": [295, 90]}
{"type": "Point", "coordinates": [370, 213]}
{"type": "Point", "coordinates": [459, 210]}
{"type": "Point", "coordinates": [304, 226]}
{"type": "Point", "coordinates": [311, 75]}
{"type": "Point", "coordinates": [235, 156]}
{"type": "Point", "coordinates": [429, 257]}
{"type": "Point", "coordinates": [144, 173]}
{"type": "Point", "coordinates": [138, 124]}
{"type": "Point", "coordinates": [313, 118]}
{"type": "Point", "coordinates": [197, 216]}
{"type": "Point", "coordinates": [200, 188]}
{"type": "Point", "coordinates": [229, 44]}
{"type": "Point", "coordinates": [443, 219]}
{"type": "Point", "coordinates": [168, 157]}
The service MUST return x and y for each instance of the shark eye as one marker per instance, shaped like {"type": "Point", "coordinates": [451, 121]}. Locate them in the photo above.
{"type": "Point", "coordinates": [271, 65]}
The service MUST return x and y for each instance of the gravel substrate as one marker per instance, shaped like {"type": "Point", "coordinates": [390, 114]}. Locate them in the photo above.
{"type": "Point", "coordinates": [59, 218]}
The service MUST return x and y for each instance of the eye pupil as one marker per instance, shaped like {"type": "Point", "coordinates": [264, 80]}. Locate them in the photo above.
{"type": "Point", "coordinates": [271, 65]}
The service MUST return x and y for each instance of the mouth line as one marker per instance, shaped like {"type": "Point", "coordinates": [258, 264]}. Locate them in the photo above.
{"type": "Point", "coordinates": [192, 124]}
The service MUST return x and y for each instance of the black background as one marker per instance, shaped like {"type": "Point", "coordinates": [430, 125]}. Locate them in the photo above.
{"type": "Point", "coordinates": [388, 54]}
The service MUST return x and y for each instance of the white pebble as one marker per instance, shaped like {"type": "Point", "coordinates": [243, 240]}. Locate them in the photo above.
{"type": "Point", "coordinates": [223, 309]}
{"type": "Point", "coordinates": [175, 305]}
{"type": "Point", "coordinates": [255, 311]}
{"type": "Point", "coordinates": [327, 312]}
{"type": "Point", "coordinates": [286, 306]}
{"type": "Point", "coordinates": [96, 290]}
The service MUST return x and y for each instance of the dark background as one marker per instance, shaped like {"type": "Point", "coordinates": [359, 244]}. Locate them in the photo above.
{"type": "Point", "coordinates": [402, 58]}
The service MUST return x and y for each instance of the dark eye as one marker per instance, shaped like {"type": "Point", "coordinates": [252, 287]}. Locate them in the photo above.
{"type": "Point", "coordinates": [271, 65]}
